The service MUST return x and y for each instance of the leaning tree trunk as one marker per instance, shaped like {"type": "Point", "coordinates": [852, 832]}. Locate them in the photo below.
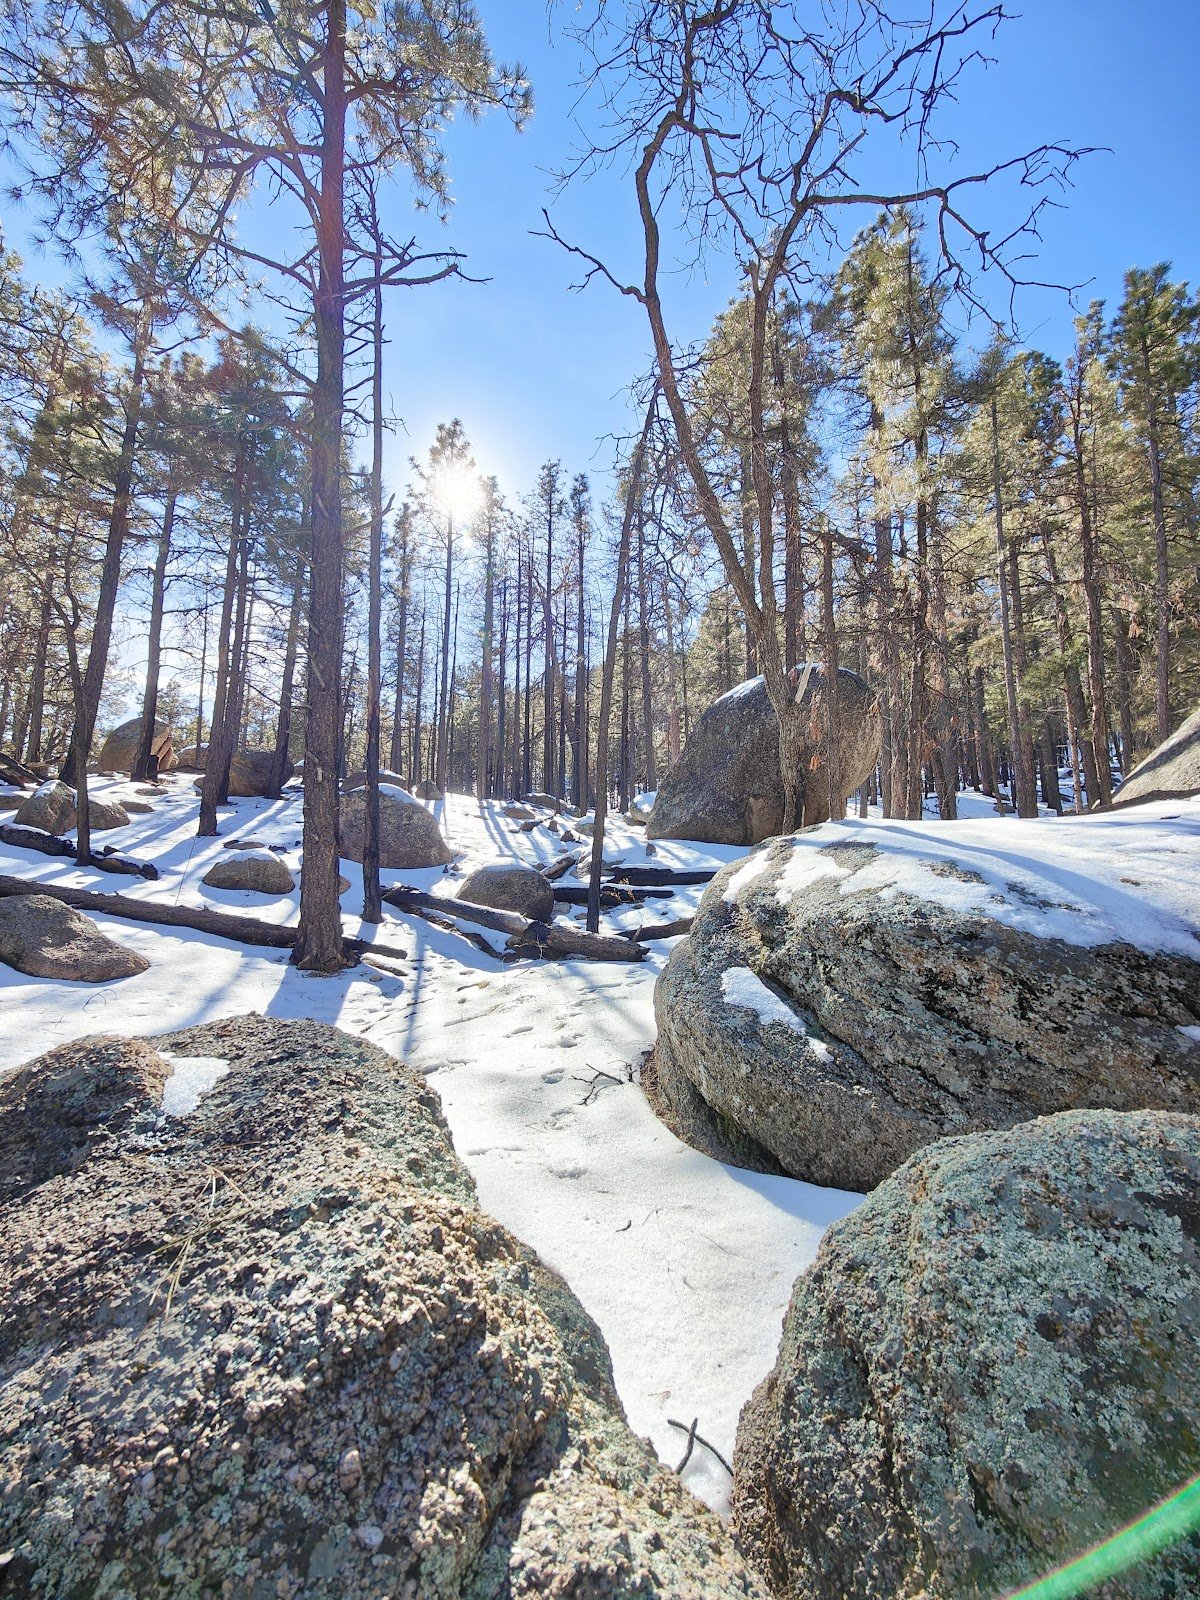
{"type": "Point", "coordinates": [319, 939]}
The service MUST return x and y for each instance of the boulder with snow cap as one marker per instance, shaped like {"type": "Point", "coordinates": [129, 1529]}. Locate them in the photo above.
{"type": "Point", "coordinates": [993, 1365]}
{"type": "Point", "coordinates": [409, 836]}
{"type": "Point", "coordinates": [853, 992]}
{"type": "Point", "coordinates": [726, 787]}
{"type": "Point", "coordinates": [273, 1347]}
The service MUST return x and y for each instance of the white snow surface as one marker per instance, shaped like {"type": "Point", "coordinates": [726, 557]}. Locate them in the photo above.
{"type": "Point", "coordinates": [687, 1265]}
{"type": "Point", "coordinates": [1122, 877]}
{"type": "Point", "coordinates": [191, 1079]}
{"type": "Point", "coordinates": [741, 987]}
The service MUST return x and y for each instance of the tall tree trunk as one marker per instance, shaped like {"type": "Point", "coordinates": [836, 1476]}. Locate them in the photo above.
{"type": "Point", "coordinates": [1025, 796]}
{"type": "Point", "coordinates": [1124, 701]}
{"type": "Point", "coordinates": [318, 945]}
{"type": "Point", "coordinates": [215, 789]}
{"type": "Point", "coordinates": [287, 685]}
{"type": "Point", "coordinates": [158, 588]}
{"type": "Point", "coordinates": [579, 777]}
{"type": "Point", "coordinates": [632, 499]}
{"type": "Point", "coordinates": [486, 683]}
{"type": "Point", "coordinates": [649, 767]}
{"type": "Point", "coordinates": [396, 758]}
{"type": "Point", "coordinates": [673, 740]}
{"type": "Point", "coordinates": [1089, 542]}
{"type": "Point", "coordinates": [1162, 596]}
{"type": "Point", "coordinates": [37, 680]}
{"type": "Point", "coordinates": [415, 765]}
{"type": "Point", "coordinates": [372, 905]}
{"type": "Point", "coordinates": [527, 745]}
{"type": "Point", "coordinates": [443, 726]}
{"type": "Point", "coordinates": [110, 570]}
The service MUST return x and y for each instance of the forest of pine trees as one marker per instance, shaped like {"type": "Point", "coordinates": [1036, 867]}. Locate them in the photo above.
{"type": "Point", "coordinates": [1010, 544]}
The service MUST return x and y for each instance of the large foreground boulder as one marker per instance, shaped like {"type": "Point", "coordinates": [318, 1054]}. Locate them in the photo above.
{"type": "Point", "coordinates": [119, 750]}
{"type": "Point", "coordinates": [993, 1364]}
{"type": "Point", "coordinates": [274, 1349]}
{"type": "Point", "coordinates": [726, 787]}
{"type": "Point", "coordinates": [853, 992]}
{"type": "Point", "coordinates": [46, 939]}
{"type": "Point", "coordinates": [409, 836]}
{"type": "Point", "coordinates": [51, 807]}
{"type": "Point", "coordinates": [510, 886]}
{"type": "Point", "coordinates": [1172, 772]}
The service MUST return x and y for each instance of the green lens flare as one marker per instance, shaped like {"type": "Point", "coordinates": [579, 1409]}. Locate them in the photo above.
{"type": "Point", "coordinates": [1169, 1521]}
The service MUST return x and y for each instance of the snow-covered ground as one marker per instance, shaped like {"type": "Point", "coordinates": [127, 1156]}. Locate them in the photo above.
{"type": "Point", "coordinates": [686, 1264]}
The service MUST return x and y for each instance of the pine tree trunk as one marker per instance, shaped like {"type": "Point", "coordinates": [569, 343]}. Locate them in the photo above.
{"type": "Point", "coordinates": [144, 756]}
{"type": "Point", "coordinates": [318, 945]}
{"type": "Point", "coordinates": [110, 571]}
{"type": "Point", "coordinates": [649, 767]}
{"type": "Point", "coordinates": [372, 904]}
{"type": "Point", "coordinates": [220, 744]}
{"type": "Point", "coordinates": [287, 686]}
{"type": "Point", "coordinates": [443, 705]}
{"type": "Point", "coordinates": [1024, 793]}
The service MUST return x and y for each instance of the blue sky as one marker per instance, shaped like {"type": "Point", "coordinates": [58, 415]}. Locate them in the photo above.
{"type": "Point", "coordinates": [536, 371]}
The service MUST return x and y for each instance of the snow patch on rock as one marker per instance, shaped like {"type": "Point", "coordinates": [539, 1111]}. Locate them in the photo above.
{"type": "Point", "coordinates": [192, 1077]}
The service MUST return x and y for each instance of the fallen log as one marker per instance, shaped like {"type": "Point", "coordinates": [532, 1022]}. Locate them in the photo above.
{"type": "Point", "coordinates": [559, 869]}
{"type": "Point", "coordinates": [547, 940]}
{"type": "Point", "coordinates": [14, 771]}
{"type": "Point", "coordinates": [661, 875]}
{"type": "Point", "coordinates": [49, 844]}
{"type": "Point", "coordinates": [448, 925]}
{"type": "Point", "coordinates": [222, 924]}
{"type": "Point", "coordinates": [659, 930]}
{"type": "Point", "coordinates": [611, 894]}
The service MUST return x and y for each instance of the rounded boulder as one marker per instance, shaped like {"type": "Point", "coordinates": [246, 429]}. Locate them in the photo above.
{"type": "Point", "coordinates": [409, 836]}
{"type": "Point", "coordinates": [727, 788]}
{"type": "Point", "coordinates": [849, 994]}
{"type": "Point", "coordinates": [510, 887]}
{"type": "Point", "coordinates": [993, 1364]}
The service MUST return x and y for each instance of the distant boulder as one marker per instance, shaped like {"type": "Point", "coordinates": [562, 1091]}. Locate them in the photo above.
{"type": "Point", "coordinates": [428, 790]}
{"type": "Point", "coordinates": [726, 787]}
{"type": "Point", "coordinates": [993, 1365]}
{"type": "Point", "coordinates": [52, 808]}
{"type": "Point", "coordinates": [46, 939]}
{"type": "Point", "coordinates": [250, 771]}
{"type": "Point", "coordinates": [119, 750]}
{"type": "Point", "coordinates": [258, 873]}
{"type": "Point", "coordinates": [509, 886]}
{"type": "Point", "coordinates": [409, 836]}
{"type": "Point", "coordinates": [1172, 772]}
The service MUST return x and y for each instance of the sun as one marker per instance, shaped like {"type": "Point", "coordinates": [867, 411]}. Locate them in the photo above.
{"type": "Point", "coordinates": [456, 488]}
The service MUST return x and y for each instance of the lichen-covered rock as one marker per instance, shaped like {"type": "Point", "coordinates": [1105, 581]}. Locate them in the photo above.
{"type": "Point", "coordinates": [46, 939]}
{"type": "Point", "coordinates": [259, 872]}
{"type": "Point", "coordinates": [841, 1003]}
{"type": "Point", "coordinates": [409, 836]}
{"type": "Point", "coordinates": [119, 750]}
{"type": "Point", "coordinates": [1172, 772]}
{"type": "Point", "coordinates": [273, 1349]}
{"type": "Point", "coordinates": [993, 1364]}
{"type": "Point", "coordinates": [726, 787]}
{"type": "Point", "coordinates": [53, 1110]}
{"type": "Point", "coordinates": [51, 807]}
{"type": "Point", "coordinates": [510, 887]}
